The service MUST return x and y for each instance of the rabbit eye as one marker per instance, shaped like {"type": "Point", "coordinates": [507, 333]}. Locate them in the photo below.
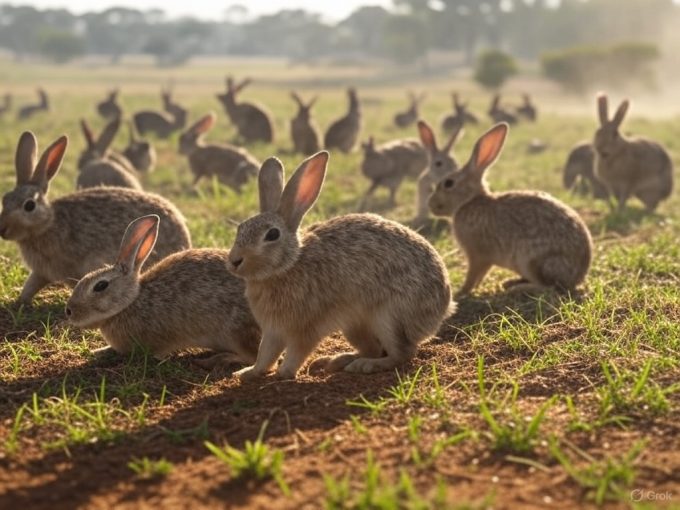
{"type": "Point", "coordinates": [272, 234]}
{"type": "Point", "coordinates": [448, 183]}
{"type": "Point", "coordinates": [29, 205]}
{"type": "Point", "coordinates": [100, 286]}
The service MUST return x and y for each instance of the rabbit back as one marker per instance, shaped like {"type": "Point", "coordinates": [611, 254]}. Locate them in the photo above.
{"type": "Point", "coordinates": [343, 133]}
{"type": "Point", "coordinates": [254, 123]}
{"type": "Point", "coordinates": [101, 172]}
{"type": "Point", "coordinates": [233, 166]}
{"type": "Point", "coordinates": [149, 121]}
{"type": "Point", "coordinates": [398, 158]}
{"type": "Point", "coordinates": [306, 136]}
{"type": "Point", "coordinates": [189, 299]}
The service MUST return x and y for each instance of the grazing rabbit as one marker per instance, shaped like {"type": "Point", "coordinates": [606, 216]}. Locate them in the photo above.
{"type": "Point", "coordinates": [64, 239]}
{"type": "Point", "coordinates": [189, 299]}
{"type": "Point", "coordinates": [528, 232]}
{"type": "Point", "coordinates": [253, 122]}
{"type": "Point", "coordinates": [440, 163]}
{"type": "Point", "coordinates": [233, 166]}
{"type": "Point", "coordinates": [304, 131]}
{"type": "Point", "coordinates": [581, 167]}
{"type": "Point", "coordinates": [26, 112]}
{"type": "Point", "coordinates": [110, 108]}
{"type": "Point", "coordinates": [99, 166]}
{"type": "Point", "coordinates": [527, 110]}
{"type": "Point", "coordinates": [460, 116]}
{"type": "Point", "coordinates": [380, 283]}
{"type": "Point", "coordinates": [388, 164]}
{"type": "Point", "coordinates": [162, 124]}
{"type": "Point", "coordinates": [140, 152]}
{"type": "Point", "coordinates": [499, 114]}
{"type": "Point", "coordinates": [343, 133]}
{"type": "Point", "coordinates": [410, 116]}
{"type": "Point", "coordinates": [6, 104]}
{"type": "Point", "coordinates": [630, 166]}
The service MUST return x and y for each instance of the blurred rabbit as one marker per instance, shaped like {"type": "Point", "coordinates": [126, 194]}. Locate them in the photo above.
{"type": "Point", "coordinates": [579, 172]}
{"type": "Point", "coordinates": [410, 116]}
{"type": "Point", "coordinates": [233, 166]}
{"type": "Point", "coordinates": [304, 131]}
{"type": "Point", "coordinates": [162, 124]}
{"type": "Point", "coordinates": [528, 109]}
{"type": "Point", "coordinates": [528, 232]}
{"type": "Point", "coordinates": [189, 299]}
{"type": "Point", "coordinates": [630, 166]}
{"type": "Point", "coordinates": [110, 107]}
{"type": "Point", "coordinates": [140, 152]}
{"type": "Point", "coordinates": [499, 114]}
{"type": "Point", "coordinates": [253, 122]}
{"type": "Point", "coordinates": [27, 111]}
{"type": "Point", "coordinates": [388, 164]}
{"type": "Point", "coordinates": [6, 104]}
{"type": "Point", "coordinates": [460, 116]}
{"type": "Point", "coordinates": [61, 240]}
{"type": "Point", "coordinates": [343, 133]}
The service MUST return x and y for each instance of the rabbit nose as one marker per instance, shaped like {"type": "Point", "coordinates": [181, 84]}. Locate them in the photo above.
{"type": "Point", "coordinates": [236, 262]}
{"type": "Point", "coordinates": [68, 312]}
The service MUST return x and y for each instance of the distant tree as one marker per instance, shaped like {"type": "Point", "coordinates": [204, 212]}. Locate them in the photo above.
{"type": "Point", "coordinates": [60, 46]}
{"type": "Point", "coordinates": [493, 68]}
{"type": "Point", "coordinates": [405, 38]}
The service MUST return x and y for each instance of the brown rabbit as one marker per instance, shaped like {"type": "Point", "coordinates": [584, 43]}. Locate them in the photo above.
{"type": "Point", "coordinates": [64, 239]}
{"type": "Point", "coordinates": [189, 299]}
{"type": "Point", "coordinates": [162, 124]}
{"type": "Point", "coordinates": [139, 152]}
{"type": "Point", "coordinates": [579, 172]}
{"type": "Point", "coordinates": [303, 129]}
{"type": "Point", "coordinates": [500, 114]}
{"type": "Point", "coordinates": [6, 105]}
{"type": "Point", "coordinates": [630, 166]}
{"type": "Point", "coordinates": [110, 107]}
{"type": "Point", "coordinates": [528, 109]}
{"type": "Point", "coordinates": [460, 116]}
{"type": "Point", "coordinates": [406, 118]}
{"type": "Point", "coordinates": [26, 112]}
{"type": "Point", "coordinates": [390, 163]}
{"type": "Point", "coordinates": [528, 232]}
{"type": "Point", "coordinates": [380, 283]}
{"type": "Point", "coordinates": [233, 166]}
{"type": "Point", "coordinates": [343, 133]}
{"type": "Point", "coordinates": [253, 123]}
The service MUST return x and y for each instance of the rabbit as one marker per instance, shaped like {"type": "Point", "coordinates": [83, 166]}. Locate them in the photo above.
{"type": "Point", "coordinates": [303, 129]}
{"type": "Point", "coordinates": [499, 114]}
{"type": "Point", "coordinates": [110, 108]}
{"type": "Point", "coordinates": [253, 122]}
{"type": "Point", "coordinates": [388, 164]}
{"type": "Point", "coordinates": [189, 299]}
{"type": "Point", "coordinates": [99, 166]}
{"type": "Point", "coordinates": [343, 133]}
{"type": "Point", "coordinates": [162, 124]}
{"type": "Point", "coordinates": [528, 109]}
{"type": "Point", "coordinates": [139, 152]}
{"type": "Point", "coordinates": [233, 166]}
{"type": "Point", "coordinates": [460, 116]}
{"type": "Point", "coordinates": [528, 232]}
{"type": "Point", "coordinates": [630, 166]}
{"type": "Point", "coordinates": [406, 118]}
{"type": "Point", "coordinates": [6, 105]}
{"type": "Point", "coordinates": [27, 111]}
{"type": "Point", "coordinates": [581, 166]}
{"type": "Point", "coordinates": [382, 284]}
{"type": "Point", "coordinates": [64, 239]}
{"type": "Point", "coordinates": [440, 163]}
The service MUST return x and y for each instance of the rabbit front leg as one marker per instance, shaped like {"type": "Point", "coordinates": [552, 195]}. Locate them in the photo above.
{"type": "Point", "coordinates": [271, 347]}
{"type": "Point", "coordinates": [424, 190]}
{"type": "Point", "coordinates": [477, 269]}
{"type": "Point", "coordinates": [297, 352]}
{"type": "Point", "coordinates": [34, 283]}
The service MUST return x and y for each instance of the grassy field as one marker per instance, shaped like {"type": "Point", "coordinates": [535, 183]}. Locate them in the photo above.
{"type": "Point", "coordinates": [522, 402]}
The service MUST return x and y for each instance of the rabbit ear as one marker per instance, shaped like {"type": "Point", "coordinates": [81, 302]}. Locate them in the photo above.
{"type": "Point", "coordinates": [621, 113]}
{"type": "Point", "coordinates": [312, 102]}
{"type": "Point", "coordinates": [138, 242]}
{"type": "Point", "coordinates": [488, 147]}
{"type": "Point", "coordinates": [204, 124]}
{"type": "Point", "coordinates": [603, 108]}
{"type": "Point", "coordinates": [427, 136]}
{"type": "Point", "coordinates": [457, 132]}
{"type": "Point", "coordinates": [270, 184]}
{"type": "Point", "coordinates": [49, 163]}
{"type": "Point", "coordinates": [108, 134]}
{"type": "Point", "coordinates": [297, 99]}
{"type": "Point", "coordinates": [131, 131]}
{"type": "Point", "coordinates": [456, 100]}
{"type": "Point", "coordinates": [87, 133]}
{"type": "Point", "coordinates": [244, 83]}
{"type": "Point", "coordinates": [26, 156]}
{"type": "Point", "coordinates": [303, 189]}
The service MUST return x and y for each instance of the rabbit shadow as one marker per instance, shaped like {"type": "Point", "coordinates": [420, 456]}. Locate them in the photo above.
{"type": "Point", "coordinates": [17, 322]}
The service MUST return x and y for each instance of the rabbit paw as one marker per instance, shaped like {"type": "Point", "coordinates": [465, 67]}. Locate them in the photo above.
{"type": "Point", "coordinates": [365, 365]}
{"type": "Point", "coordinates": [284, 374]}
{"type": "Point", "coordinates": [248, 374]}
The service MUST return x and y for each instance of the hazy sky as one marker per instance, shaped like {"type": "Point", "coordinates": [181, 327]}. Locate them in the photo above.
{"type": "Point", "coordinates": [211, 9]}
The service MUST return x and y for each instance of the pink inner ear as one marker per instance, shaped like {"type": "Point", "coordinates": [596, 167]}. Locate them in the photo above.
{"type": "Point", "coordinates": [491, 146]}
{"type": "Point", "coordinates": [140, 231]}
{"type": "Point", "coordinates": [311, 181]}
{"type": "Point", "coordinates": [206, 124]}
{"type": "Point", "coordinates": [426, 135]}
{"type": "Point", "coordinates": [145, 248]}
{"type": "Point", "coordinates": [56, 154]}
